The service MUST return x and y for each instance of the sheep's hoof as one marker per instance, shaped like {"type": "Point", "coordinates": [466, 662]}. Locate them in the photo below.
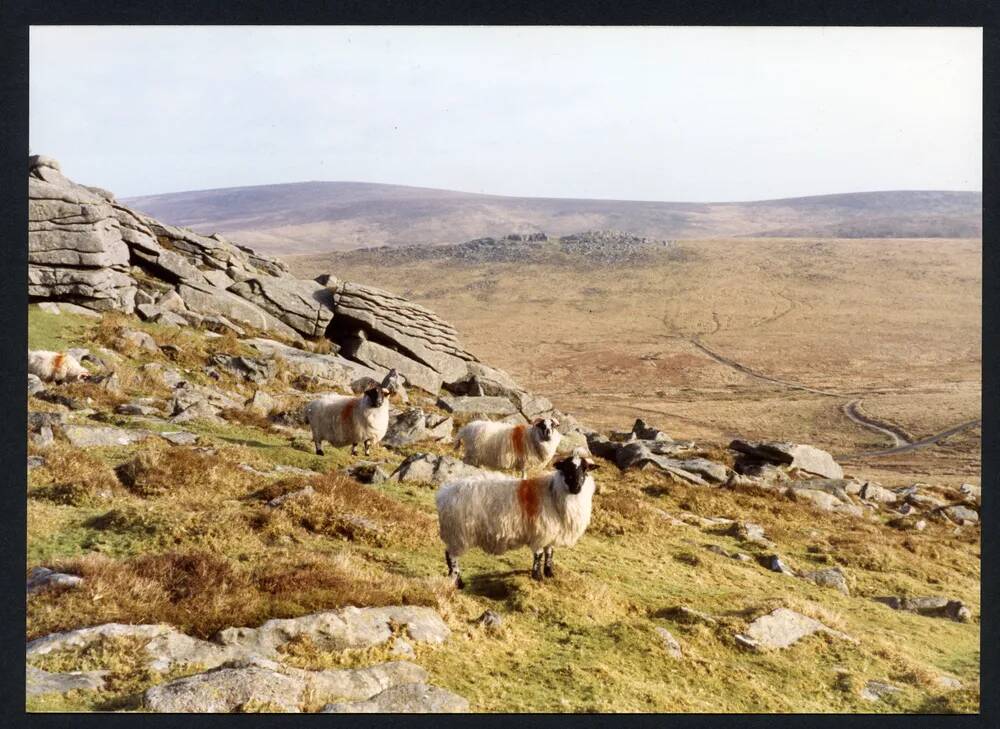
{"type": "Point", "coordinates": [548, 570]}
{"type": "Point", "coordinates": [459, 582]}
{"type": "Point", "coordinates": [536, 575]}
{"type": "Point", "coordinates": [319, 452]}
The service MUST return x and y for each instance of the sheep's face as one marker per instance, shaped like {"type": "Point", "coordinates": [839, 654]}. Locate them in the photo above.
{"type": "Point", "coordinates": [375, 396]}
{"type": "Point", "coordinates": [574, 471]}
{"type": "Point", "coordinates": [545, 428]}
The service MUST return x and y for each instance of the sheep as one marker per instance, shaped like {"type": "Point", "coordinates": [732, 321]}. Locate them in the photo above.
{"type": "Point", "coordinates": [393, 382]}
{"type": "Point", "coordinates": [341, 419]}
{"type": "Point", "coordinates": [55, 366]}
{"type": "Point", "coordinates": [497, 513]}
{"type": "Point", "coordinates": [501, 445]}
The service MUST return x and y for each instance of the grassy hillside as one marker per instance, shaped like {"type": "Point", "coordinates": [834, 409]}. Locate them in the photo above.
{"type": "Point", "coordinates": [191, 542]}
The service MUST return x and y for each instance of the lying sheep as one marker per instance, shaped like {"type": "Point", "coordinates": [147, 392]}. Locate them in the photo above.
{"type": "Point", "coordinates": [55, 366]}
{"type": "Point", "coordinates": [497, 513]}
{"type": "Point", "coordinates": [341, 419]}
{"type": "Point", "coordinates": [500, 445]}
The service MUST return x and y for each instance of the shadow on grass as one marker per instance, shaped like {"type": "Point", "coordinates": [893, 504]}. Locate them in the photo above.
{"type": "Point", "coordinates": [495, 585]}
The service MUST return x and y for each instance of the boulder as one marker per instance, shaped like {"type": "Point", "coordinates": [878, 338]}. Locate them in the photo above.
{"type": "Point", "coordinates": [225, 690]}
{"type": "Point", "coordinates": [303, 305]}
{"type": "Point", "coordinates": [873, 492]}
{"type": "Point", "coordinates": [960, 514]}
{"type": "Point", "coordinates": [414, 698]}
{"type": "Point", "coordinates": [825, 502]}
{"type": "Point", "coordinates": [802, 457]}
{"type": "Point", "coordinates": [261, 403]}
{"type": "Point", "coordinates": [414, 426]}
{"type": "Point", "coordinates": [250, 369]}
{"type": "Point", "coordinates": [432, 468]}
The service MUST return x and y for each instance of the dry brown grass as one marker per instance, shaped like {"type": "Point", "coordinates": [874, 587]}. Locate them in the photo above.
{"type": "Point", "coordinates": [201, 592]}
{"type": "Point", "coordinates": [74, 477]}
{"type": "Point", "coordinates": [342, 508]}
{"type": "Point", "coordinates": [159, 470]}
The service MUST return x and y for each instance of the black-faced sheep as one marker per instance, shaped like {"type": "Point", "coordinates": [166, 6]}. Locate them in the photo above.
{"type": "Point", "coordinates": [501, 445]}
{"type": "Point", "coordinates": [497, 513]}
{"type": "Point", "coordinates": [55, 366]}
{"type": "Point", "coordinates": [344, 420]}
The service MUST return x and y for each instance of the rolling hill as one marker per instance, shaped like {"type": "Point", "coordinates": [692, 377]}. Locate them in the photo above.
{"type": "Point", "coordinates": [311, 217]}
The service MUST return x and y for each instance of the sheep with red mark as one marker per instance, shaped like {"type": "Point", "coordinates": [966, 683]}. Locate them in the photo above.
{"type": "Point", "coordinates": [501, 445]}
{"type": "Point", "coordinates": [343, 420]}
{"type": "Point", "coordinates": [55, 367]}
{"type": "Point", "coordinates": [496, 513]}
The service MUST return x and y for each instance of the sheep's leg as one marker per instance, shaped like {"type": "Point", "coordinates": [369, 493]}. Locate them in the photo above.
{"type": "Point", "coordinates": [536, 566]}
{"type": "Point", "coordinates": [547, 571]}
{"type": "Point", "coordinates": [453, 570]}
{"type": "Point", "coordinates": [318, 442]}
{"type": "Point", "coordinates": [354, 449]}
{"type": "Point", "coordinates": [368, 446]}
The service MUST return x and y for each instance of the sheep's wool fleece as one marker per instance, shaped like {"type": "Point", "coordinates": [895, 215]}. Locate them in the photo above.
{"type": "Point", "coordinates": [344, 420]}
{"type": "Point", "coordinates": [497, 514]}
{"type": "Point", "coordinates": [501, 445]}
{"type": "Point", "coordinates": [54, 366]}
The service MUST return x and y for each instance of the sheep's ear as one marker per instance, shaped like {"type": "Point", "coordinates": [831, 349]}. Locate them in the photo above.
{"type": "Point", "coordinates": [385, 390]}
{"type": "Point", "coordinates": [589, 464]}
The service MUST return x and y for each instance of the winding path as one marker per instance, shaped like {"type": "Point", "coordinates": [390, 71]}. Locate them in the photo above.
{"type": "Point", "coordinates": [747, 371]}
{"type": "Point", "coordinates": [923, 443]}
{"type": "Point", "coordinates": [901, 441]}
{"type": "Point", "coordinates": [899, 438]}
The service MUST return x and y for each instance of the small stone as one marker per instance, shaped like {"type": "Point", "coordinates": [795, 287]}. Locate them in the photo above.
{"type": "Point", "coordinates": [301, 493]}
{"type": "Point", "coordinates": [35, 462]}
{"type": "Point", "coordinates": [832, 577]}
{"type": "Point", "coordinates": [42, 578]}
{"type": "Point", "coordinates": [689, 616]}
{"type": "Point", "coordinates": [670, 644]}
{"type": "Point", "coordinates": [35, 384]}
{"type": "Point", "coordinates": [774, 563]}
{"type": "Point", "coordinates": [878, 690]}
{"type": "Point", "coordinates": [490, 620]}
{"type": "Point", "coordinates": [746, 642]}
{"type": "Point", "coordinates": [179, 437]}
{"type": "Point", "coordinates": [140, 339]}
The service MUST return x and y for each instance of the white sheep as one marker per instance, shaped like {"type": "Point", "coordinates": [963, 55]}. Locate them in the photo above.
{"type": "Point", "coordinates": [502, 445]}
{"type": "Point", "coordinates": [497, 513]}
{"type": "Point", "coordinates": [55, 366]}
{"type": "Point", "coordinates": [341, 419]}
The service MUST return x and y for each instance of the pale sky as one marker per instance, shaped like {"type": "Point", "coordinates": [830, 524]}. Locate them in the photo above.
{"type": "Point", "coordinates": [671, 114]}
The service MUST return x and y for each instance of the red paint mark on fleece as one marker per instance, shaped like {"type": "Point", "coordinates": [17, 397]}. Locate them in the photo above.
{"type": "Point", "coordinates": [529, 497]}
{"type": "Point", "coordinates": [348, 412]}
{"type": "Point", "coordinates": [517, 436]}
{"type": "Point", "coordinates": [57, 363]}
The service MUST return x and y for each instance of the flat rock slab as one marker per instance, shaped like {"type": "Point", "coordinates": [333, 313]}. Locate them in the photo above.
{"type": "Point", "coordinates": [878, 690]}
{"type": "Point", "coordinates": [349, 627]}
{"type": "Point", "coordinates": [477, 405]}
{"type": "Point", "coordinates": [783, 627]}
{"type": "Point", "coordinates": [414, 698]}
{"type": "Point", "coordinates": [269, 685]}
{"type": "Point", "coordinates": [226, 690]}
{"type": "Point", "coordinates": [89, 436]}
{"type": "Point", "coordinates": [335, 369]}
{"type": "Point", "coordinates": [37, 681]}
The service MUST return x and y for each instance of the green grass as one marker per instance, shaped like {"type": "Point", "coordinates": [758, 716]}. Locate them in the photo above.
{"type": "Point", "coordinates": [208, 550]}
{"type": "Point", "coordinates": [56, 332]}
